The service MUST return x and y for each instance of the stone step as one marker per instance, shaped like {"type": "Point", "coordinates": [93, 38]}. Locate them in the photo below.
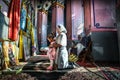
{"type": "Point", "coordinates": [41, 74]}
{"type": "Point", "coordinates": [46, 75]}
{"type": "Point", "coordinates": [36, 66]}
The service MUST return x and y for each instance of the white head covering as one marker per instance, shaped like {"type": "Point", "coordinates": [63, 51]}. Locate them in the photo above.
{"type": "Point", "coordinates": [62, 28]}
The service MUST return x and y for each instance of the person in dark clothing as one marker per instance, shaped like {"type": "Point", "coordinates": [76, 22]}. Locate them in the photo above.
{"type": "Point", "coordinates": [85, 54]}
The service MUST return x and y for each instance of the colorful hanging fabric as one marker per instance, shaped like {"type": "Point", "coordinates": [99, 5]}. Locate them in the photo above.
{"type": "Point", "coordinates": [11, 55]}
{"type": "Point", "coordinates": [16, 54]}
{"type": "Point", "coordinates": [32, 35]}
{"type": "Point", "coordinates": [33, 43]}
{"type": "Point", "coordinates": [28, 24]}
{"type": "Point", "coordinates": [23, 17]}
{"type": "Point", "coordinates": [4, 22]}
{"type": "Point", "coordinates": [21, 45]}
{"type": "Point", "coordinates": [5, 54]}
{"type": "Point", "coordinates": [30, 29]}
{"type": "Point", "coordinates": [14, 16]}
{"type": "Point", "coordinates": [15, 50]}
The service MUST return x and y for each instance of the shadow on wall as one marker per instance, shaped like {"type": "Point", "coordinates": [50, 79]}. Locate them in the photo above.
{"type": "Point", "coordinates": [105, 46]}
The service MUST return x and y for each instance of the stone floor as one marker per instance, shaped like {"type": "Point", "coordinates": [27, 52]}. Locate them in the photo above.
{"type": "Point", "coordinates": [36, 67]}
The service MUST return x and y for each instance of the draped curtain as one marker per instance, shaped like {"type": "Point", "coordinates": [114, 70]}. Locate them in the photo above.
{"type": "Point", "coordinates": [14, 16]}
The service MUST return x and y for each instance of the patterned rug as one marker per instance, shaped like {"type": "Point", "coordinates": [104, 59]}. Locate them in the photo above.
{"type": "Point", "coordinates": [93, 73]}
{"type": "Point", "coordinates": [110, 73]}
{"type": "Point", "coordinates": [83, 73]}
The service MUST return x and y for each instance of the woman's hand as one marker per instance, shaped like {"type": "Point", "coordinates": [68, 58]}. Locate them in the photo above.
{"type": "Point", "coordinates": [56, 45]}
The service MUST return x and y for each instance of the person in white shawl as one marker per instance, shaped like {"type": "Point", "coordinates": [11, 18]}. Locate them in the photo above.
{"type": "Point", "coordinates": [61, 43]}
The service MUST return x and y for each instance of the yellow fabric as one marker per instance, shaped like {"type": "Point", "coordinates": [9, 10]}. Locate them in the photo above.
{"type": "Point", "coordinates": [73, 58]}
{"type": "Point", "coordinates": [30, 29]}
{"type": "Point", "coordinates": [21, 45]}
{"type": "Point", "coordinates": [32, 35]}
{"type": "Point", "coordinates": [5, 53]}
{"type": "Point", "coordinates": [29, 26]}
{"type": "Point", "coordinates": [7, 64]}
{"type": "Point", "coordinates": [13, 49]}
{"type": "Point", "coordinates": [16, 53]}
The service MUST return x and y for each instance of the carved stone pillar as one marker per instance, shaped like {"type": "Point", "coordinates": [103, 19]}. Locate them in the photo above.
{"type": "Point", "coordinates": [42, 28]}
{"type": "Point", "coordinates": [57, 15]}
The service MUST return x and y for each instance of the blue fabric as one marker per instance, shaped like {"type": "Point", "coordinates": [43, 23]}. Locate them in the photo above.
{"type": "Point", "coordinates": [23, 19]}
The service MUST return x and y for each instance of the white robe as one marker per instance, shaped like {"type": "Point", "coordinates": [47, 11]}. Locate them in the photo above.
{"type": "Point", "coordinates": [62, 54]}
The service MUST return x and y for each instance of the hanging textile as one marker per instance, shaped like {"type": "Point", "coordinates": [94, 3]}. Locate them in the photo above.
{"type": "Point", "coordinates": [11, 55]}
{"type": "Point", "coordinates": [23, 17]}
{"type": "Point", "coordinates": [30, 29]}
{"type": "Point", "coordinates": [33, 43]}
{"type": "Point", "coordinates": [4, 22]}
{"type": "Point", "coordinates": [21, 45]}
{"type": "Point", "coordinates": [32, 35]}
{"type": "Point", "coordinates": [15, 50]}
{"type": "Point", "coordinates": [16, 54]}
{"type": "Point", "coordinates": [5, 54]}
{"type": "Point", "coordinates": [28, 24]}
{"type": "Point", "coordinates": [14, 16]}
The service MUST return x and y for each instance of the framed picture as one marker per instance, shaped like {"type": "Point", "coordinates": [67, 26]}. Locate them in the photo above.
{"type": "Point", "coordinates": [104, 14]}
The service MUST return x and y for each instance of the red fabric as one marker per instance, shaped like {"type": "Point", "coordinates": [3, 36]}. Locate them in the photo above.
{"type": "Point", "coordinates": [14, 16]}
